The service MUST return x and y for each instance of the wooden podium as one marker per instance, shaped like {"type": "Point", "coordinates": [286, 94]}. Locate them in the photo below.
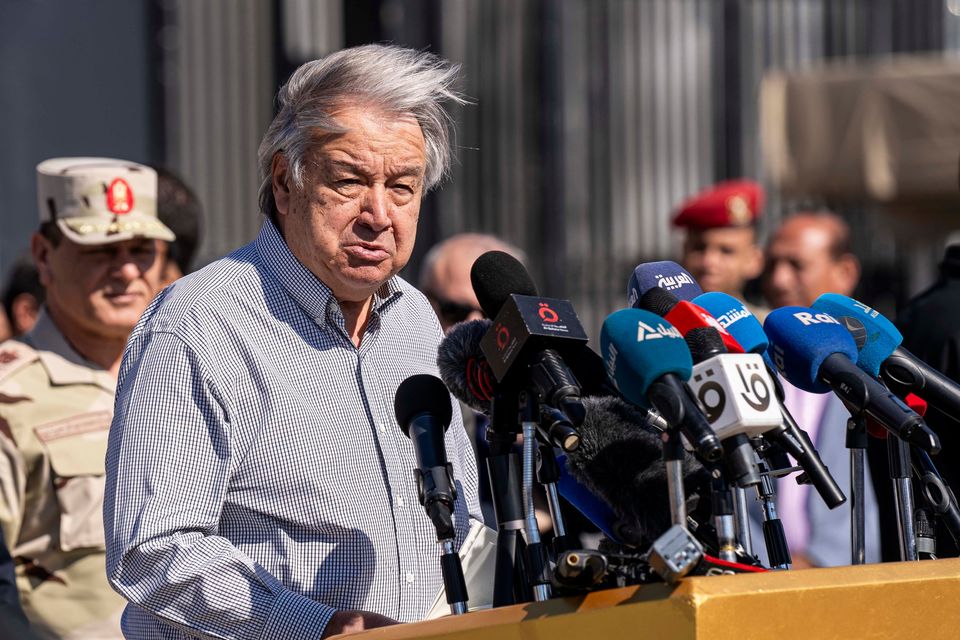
{"type": "Point", "coordinates": [894, 600]}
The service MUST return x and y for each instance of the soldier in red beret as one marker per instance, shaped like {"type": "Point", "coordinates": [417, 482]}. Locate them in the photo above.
{"type": "Point", "coordinates": [720, 248]}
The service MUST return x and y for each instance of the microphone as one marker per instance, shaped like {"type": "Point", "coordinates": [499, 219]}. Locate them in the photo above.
{"type": "Point", "coordinates": [882, 356]}
{"type": "Point", "coordinates": [737, 320]}
{"type": "Point", "coordinates": [466, 372]}
{"type": "Point", "coordinates": [684, 315]}
{"type": "Point", "coordinates": [423, 409]}
{"type": "Point", "coordinates": [619, 460]}
{"type": "Point", "coordinates": [648, 362]}
{"type": "Point", "coordinates": [747, 330]}
{"type": "Point", "coordinates": [737, 396]}
{"type": "Point", "coordinates": [528, 332]}
{"type": "Point", "coordinates": [664, 274]}
{"type": "Point", "coordinates": [816, 353]}
{"type": "Point", "coordinates": [463, 366]}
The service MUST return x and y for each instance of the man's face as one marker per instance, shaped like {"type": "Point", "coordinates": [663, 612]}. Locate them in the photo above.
{"type": "Point", "coordinates": [354, 222]}
{"type": "Point", "coordinates": [101, 290]}
{"type": "Point", "coordinates": [800, 266]}
{"type": "Point", "coordinates": [451, 291]}
{"type": "Point", "coordinates": [722, 259]}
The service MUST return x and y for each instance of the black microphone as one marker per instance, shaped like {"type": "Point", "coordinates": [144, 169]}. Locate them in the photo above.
{"type": "Point", "coordinates": [466, 372]}
{"type": "Point", "coordinates": [736, 393]}
{"type": "Point", "coordinates": [423, 409]}
{"type": "Point", "coordinates": [463, 366]}
{"type": "Point", "coordinates": [529, 333]}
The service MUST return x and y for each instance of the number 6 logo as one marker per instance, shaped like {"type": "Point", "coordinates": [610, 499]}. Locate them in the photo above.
{"type": "Point", "coordinates": [713, 398]}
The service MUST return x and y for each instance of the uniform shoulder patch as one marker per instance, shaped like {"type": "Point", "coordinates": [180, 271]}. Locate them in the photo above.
{"type": "Point", "coordinates": [14, 355]}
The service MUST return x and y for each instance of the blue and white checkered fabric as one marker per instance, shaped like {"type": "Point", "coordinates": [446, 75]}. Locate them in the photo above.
{"type": "Point", "coordinates": [257, 479]}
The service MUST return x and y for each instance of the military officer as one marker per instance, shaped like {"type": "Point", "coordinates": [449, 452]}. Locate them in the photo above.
{"type": "Point", "coordinates": [720, 246]}
{"type": "Point", "coordinates": [98, 253]}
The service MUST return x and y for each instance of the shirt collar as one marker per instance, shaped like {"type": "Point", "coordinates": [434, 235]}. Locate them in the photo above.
{"type": "Point", "coordinates": [308, 291]}
{"type": "Point", "coordinates": [63, 364]}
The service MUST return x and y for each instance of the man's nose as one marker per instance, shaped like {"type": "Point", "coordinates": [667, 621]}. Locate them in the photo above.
{"type": "Point", "coordinates": [781, 275]}
{"type": "Point", "coordinates": [128, 266]}
{"type": "Point", "coordinates": [375, 211]}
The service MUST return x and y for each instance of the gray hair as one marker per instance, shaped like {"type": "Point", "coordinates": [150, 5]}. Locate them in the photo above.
{"type": "Point", "coordinates": [389, 77]}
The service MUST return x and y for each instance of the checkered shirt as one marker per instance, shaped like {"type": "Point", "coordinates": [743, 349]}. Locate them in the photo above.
{"type": "Point", "coordinates": [257, 479]}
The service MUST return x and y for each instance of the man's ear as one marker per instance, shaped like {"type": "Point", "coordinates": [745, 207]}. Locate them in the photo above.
{"type": "Point", "coordinates": [848, 268]}
{"type": "Point", "coordinates": [280, 182]}
{"type": "Point", "coordinates": [40, 250]}
{"type": "Point", "coordinates": [754, 263]}
{"type": "Point", "coordinates": [24, 311]}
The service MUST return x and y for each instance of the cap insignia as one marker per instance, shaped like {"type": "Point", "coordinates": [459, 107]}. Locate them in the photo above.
{"type": "Point", "coordinates": [738, 209]}
{"type": "Point", "coordinates": [119, 197]}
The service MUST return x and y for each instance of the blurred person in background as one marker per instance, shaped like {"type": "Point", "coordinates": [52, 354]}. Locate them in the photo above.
{"type": "Point", "coordinates": [96, 254]}
{"type": "Point", "coordinates": [445, 280]}
{"type": "Point", "coordinates": [445, 275]}
{"type": "Point", "coordinates": [22, 296]}
{"type": "Point", "coordinates": [807, 256]}
{"type": "Point", "coordinates": [720, 248]}
{"type": "Point", "coordinates": [931, 331]}
{"type": "Point", "coordinates": [179, 209]}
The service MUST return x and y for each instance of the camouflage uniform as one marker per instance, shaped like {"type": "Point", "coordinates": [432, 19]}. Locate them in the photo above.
{"type": "Point", "coordinates": [55, 413]}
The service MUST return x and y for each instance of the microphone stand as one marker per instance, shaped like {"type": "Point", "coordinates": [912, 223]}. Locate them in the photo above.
{"type": "Point", "coordinates": [437, 491]}
{"type": "Point", "coordinates": [775, 540]}
{"type": "Point", "coordinates": [453, 582]}
{"type": "Point", "coordinates": [511, 583]}
{"type": "Point", "coordinates": [857, 444]}
{"type": "Point", "coordinates": [898, 456]}
{"type": "Point", "coordinates": [936, 493]}
{"type": "Point", "coordinates": [548, 474]}
{"type": "Point", "coordinates": [722, 503]}
{"type": "Point", "coordinates": [742, 516]}
{"type": "Point", "coordinates": [536, 553]}
{"type": "Point", "coordinates": [673, 460]}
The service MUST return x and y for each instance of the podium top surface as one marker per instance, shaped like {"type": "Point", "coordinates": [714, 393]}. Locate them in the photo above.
{"type": "Point", "coordinates": [893, 600]}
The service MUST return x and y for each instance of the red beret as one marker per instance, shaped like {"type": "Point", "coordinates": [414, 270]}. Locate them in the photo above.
{"type": "Point", "coordinates": [735, 203]}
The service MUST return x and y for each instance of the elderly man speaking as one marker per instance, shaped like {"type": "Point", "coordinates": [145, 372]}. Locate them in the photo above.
{"type": "Point", "coordinates": [258, 485]}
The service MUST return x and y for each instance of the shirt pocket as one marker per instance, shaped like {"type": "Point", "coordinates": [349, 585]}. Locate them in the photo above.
{"type": "Point", "coordinates": [76, 448]}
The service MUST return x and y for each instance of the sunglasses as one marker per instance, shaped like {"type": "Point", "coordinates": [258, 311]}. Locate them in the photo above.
{"type": "Point", "coordinates": [453, 312]}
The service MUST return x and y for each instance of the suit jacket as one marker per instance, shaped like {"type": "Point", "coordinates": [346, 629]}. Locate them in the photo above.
{"type": "Point", "coordinates": [829, 542]}
{"type": "Point", "coordinates": [932, 333]}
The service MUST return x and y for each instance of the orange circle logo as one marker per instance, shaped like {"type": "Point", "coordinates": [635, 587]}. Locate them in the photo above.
{"type": "Point", "coordinates": [547, 314]}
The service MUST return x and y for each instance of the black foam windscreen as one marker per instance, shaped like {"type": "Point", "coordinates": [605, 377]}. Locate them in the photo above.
{"type": "Point", "coordinates": [463, 366]}
{"type": "Point", "coordinates": [657, 300]}
{"type": "Point", "coordinates": [495, 276]}
{"type": "Point", "coordinates": [620, 459]}
{"type": "Point", "coordinates": [422, 393]}
{"type": "Point", "coordinates": [704, 342]}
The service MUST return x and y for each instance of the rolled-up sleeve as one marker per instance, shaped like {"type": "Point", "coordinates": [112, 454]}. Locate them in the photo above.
{"type": "Point", "coordinates": [169, 464]}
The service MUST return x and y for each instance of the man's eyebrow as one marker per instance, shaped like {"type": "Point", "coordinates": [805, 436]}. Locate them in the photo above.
{"type": "Point", "coordinates": [405, 170]}
{"type": "Point", "coordinates": [415, 170]}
